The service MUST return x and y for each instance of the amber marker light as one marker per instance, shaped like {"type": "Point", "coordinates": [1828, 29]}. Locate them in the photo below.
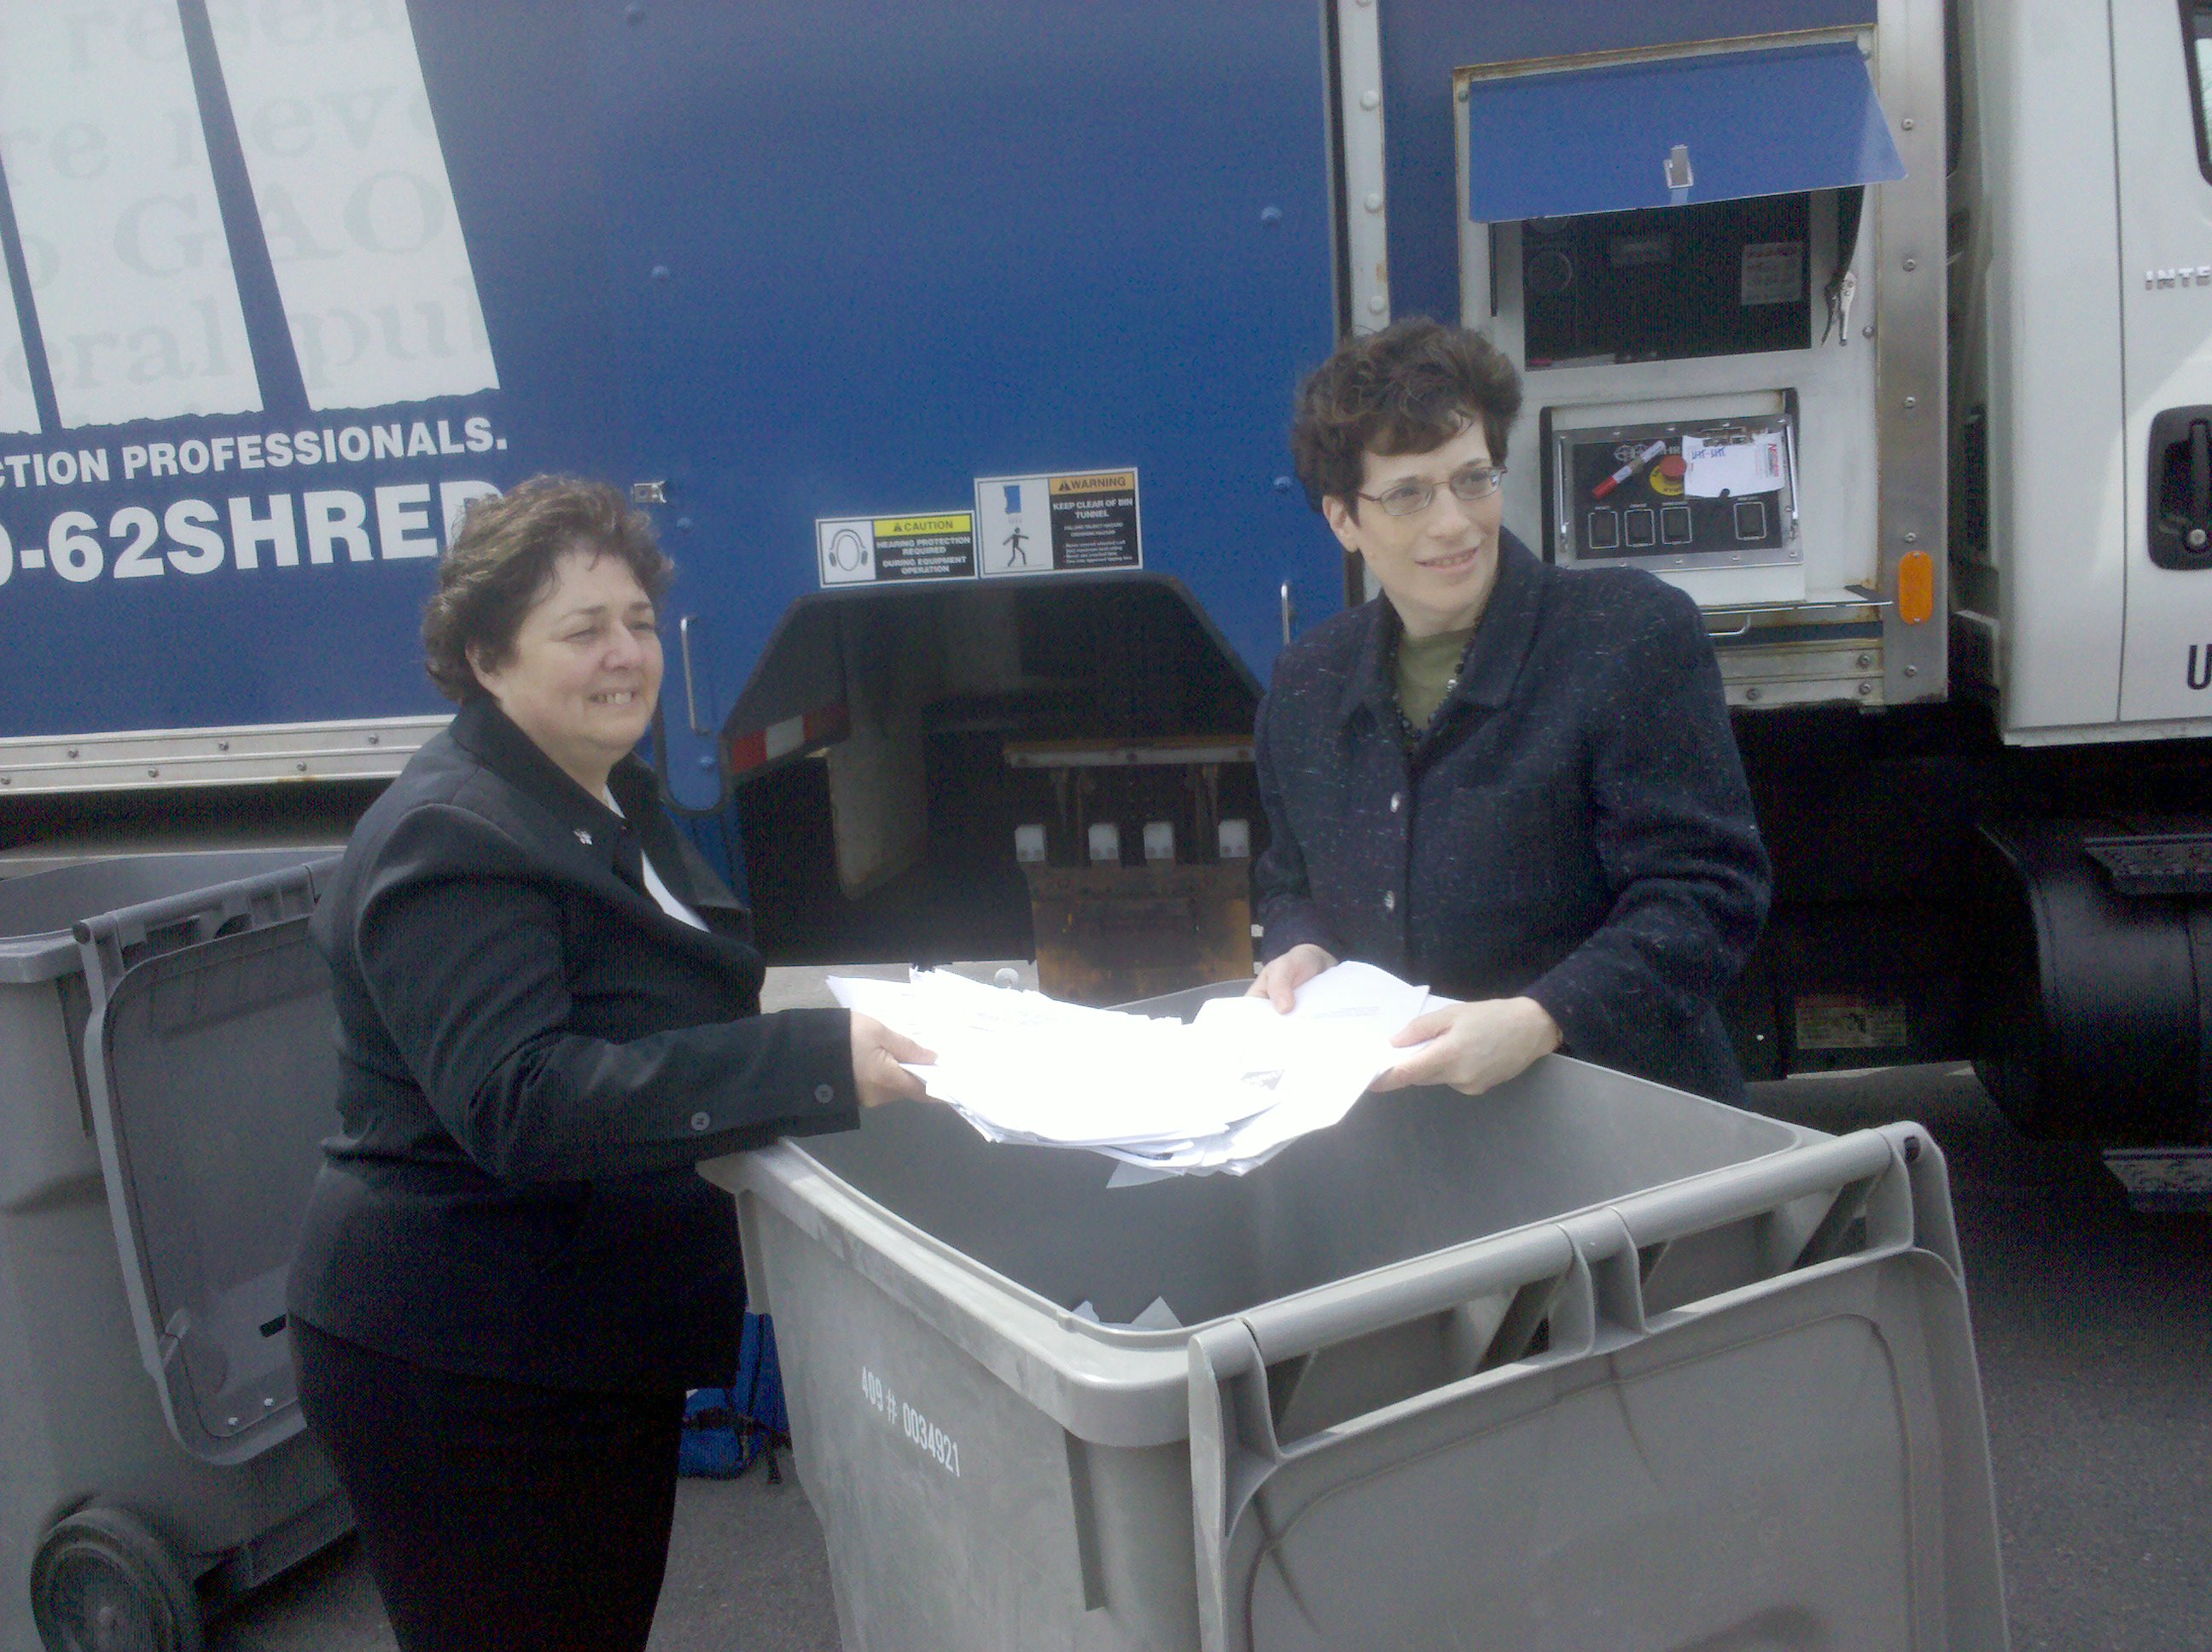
{"type": "Point", "coordinates": [1916, 587]}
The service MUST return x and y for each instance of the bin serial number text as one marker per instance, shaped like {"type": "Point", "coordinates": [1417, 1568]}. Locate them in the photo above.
{"type": "Point", "coordinates": [932, 1440]}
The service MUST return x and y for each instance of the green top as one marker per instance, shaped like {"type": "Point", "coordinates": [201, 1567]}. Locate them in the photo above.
{"type": "Point", "coordinates": [1427, 668]}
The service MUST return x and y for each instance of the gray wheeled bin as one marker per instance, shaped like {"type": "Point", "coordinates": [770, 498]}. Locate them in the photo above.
{"type": "Point", "coordinates": [167, 1072]}
{"type": "Point", "coordinates": [1585, 1362]}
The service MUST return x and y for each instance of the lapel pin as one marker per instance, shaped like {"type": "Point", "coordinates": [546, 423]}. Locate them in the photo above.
{"type": "Point", "coordinates": [583, 838]}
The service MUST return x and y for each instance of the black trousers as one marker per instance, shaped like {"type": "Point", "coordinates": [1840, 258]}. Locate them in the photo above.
{"type": "Point", "coordinates": [497, 1517]}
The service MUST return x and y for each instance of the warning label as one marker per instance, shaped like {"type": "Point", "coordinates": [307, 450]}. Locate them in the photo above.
{"type": "Point", "coordinates": [869, 550]}
{"type": "Point", "coordinates": [1773, 272]}
{"type": "Point", "coordinates": [1836, 1021]}
{"type": "Point", "coordinates": [1078, 522]}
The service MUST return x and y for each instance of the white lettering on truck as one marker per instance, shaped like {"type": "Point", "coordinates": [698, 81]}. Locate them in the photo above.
{"type": "Point", "coordinates": [412, 520]}
{"type": "Point", "coordinates": [133, 305]}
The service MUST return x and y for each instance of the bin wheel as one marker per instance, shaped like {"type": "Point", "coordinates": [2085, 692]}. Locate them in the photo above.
{"type": "Point", "coordinates": [103, 1581]}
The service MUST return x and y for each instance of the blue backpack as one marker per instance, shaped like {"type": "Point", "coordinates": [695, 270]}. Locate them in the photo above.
{"type": "Point", "coordinates": [726, 1430]}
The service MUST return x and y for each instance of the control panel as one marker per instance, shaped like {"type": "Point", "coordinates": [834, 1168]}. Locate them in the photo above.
{"type": "Point", "coordinates": [1720, 493]}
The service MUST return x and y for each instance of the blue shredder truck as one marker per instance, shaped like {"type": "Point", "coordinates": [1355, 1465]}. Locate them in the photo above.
{"type": "Point", "coordinates": [951, 350]}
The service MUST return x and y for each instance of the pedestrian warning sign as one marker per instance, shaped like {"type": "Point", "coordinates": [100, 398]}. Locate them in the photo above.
{"type": "Point", "coordinates": [879, 550]}
{"type": "Point", "coordinates": [1075, 522]}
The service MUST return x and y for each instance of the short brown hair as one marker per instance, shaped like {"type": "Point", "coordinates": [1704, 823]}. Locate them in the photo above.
{"type": "Point", "coordinates": [1407, 389]}
{"type": "Point", "coordinates": [502, 562]}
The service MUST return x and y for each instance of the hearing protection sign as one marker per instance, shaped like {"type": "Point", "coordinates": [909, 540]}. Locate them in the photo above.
{"type": "Point", "coordinates": [1077, 522]}
{"type": "Point", "coordinates": [879, 549]}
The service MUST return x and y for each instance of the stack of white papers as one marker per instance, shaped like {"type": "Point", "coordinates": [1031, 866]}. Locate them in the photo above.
{"type": "Point", "coordinates": [1225, 1092]}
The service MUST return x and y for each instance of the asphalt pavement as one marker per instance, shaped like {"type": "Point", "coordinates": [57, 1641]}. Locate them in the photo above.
{"type": "Point", "coordinates": [2092, 1323]}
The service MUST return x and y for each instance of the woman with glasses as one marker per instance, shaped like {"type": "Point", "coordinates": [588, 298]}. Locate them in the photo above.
{"type": "Point", "coordinates": [1512, 781]}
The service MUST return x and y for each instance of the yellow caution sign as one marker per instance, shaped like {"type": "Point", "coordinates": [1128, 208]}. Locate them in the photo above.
{"type": "Point", "coordinates": [886, 549]}
{"type": "Point", "coordinates": [899, 527]}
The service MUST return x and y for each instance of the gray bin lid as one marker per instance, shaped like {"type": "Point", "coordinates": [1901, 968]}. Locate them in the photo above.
{"type": "Point", "coordinates": [1796, 1457]}
{"type": "Point", "coordinates": [211, 1067]}
{"type": "Point", "coordinates": [39, 911]}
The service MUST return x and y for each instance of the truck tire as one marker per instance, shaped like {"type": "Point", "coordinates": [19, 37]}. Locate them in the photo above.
{"type": "Point", "coordinates": [103, 1581]}
{"type": "Point", "coordinates": [2092, 1008]}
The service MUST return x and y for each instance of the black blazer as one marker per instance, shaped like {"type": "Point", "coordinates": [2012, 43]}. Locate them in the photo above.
{"type": "Point", "coordinates": [1573, 825]}
{"type": "Point", "coordinates": [533, 1055]}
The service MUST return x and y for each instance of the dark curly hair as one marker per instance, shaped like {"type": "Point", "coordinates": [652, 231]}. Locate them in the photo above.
{"type": "Point", "coordinates": [502, 562]}
{"type": "Point", "coordinates": [1407, 389]}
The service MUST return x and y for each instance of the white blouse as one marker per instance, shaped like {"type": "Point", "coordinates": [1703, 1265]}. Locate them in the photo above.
{"type": "Point", "coordinates": [659, 890]}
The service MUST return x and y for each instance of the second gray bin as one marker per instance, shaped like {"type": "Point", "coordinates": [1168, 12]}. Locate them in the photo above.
{"type": "Point", "coordinates": [167, 1070]}
{"type": "Point", "coordinates": [1582, 1364]}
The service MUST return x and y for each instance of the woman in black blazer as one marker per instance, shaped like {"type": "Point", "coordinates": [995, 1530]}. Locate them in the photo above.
{"type": "Point", "coordinates": [547, 1012]}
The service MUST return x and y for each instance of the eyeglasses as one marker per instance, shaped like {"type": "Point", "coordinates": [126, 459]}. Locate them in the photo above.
{"type": "Point", "coordinates": [1468, 484]}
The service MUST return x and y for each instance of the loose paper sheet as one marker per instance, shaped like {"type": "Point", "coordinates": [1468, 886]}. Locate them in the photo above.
{"type": "Point", "coordinates": [1225, 1092]}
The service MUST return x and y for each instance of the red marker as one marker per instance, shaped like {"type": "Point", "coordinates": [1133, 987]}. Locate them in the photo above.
{"type": "Point", "coordinates": [1628, 469]}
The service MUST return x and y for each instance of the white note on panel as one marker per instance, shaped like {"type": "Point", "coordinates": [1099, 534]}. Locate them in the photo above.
{"type": "Point", "coordinates": [123, 236]}
{"type": "Point", "coordinates": [355, 203]}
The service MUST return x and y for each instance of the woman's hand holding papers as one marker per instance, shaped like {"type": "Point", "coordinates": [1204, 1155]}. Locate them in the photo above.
{"type": "Point", "coordinates": [1472, 1046]}
{"type": "Point", "coordinates": [876, 1051]}
{"type": "Point", "coordinates": [1280, 980]}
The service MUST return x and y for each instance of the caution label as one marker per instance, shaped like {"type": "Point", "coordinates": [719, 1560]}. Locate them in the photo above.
{"type": "Point", "coordinates": [1839, 1021]}
{"type": "Point", "coordinates": [1075, 522]}
{"type": "Point", "coordinates": [1773, 273]}
{"type": "Point", "coordinates": [870, 550]}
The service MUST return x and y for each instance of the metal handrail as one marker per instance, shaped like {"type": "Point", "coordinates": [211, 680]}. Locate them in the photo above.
{"type": "Point", "coordinates": [1749, 613]}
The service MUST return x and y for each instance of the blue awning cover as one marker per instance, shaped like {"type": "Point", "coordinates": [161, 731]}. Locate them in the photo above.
{"type": "Point", "coordinates": [1722, 127]}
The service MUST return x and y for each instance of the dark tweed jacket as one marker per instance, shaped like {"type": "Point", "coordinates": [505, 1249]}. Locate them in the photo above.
{"type": "Point", "coordinates": [533, 1057]}
{"type": "Point", "coordinates": [1573, 826]}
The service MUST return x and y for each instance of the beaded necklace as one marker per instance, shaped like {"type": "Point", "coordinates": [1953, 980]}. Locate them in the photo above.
{"type": "Point", "coordinates": [1406, 732]}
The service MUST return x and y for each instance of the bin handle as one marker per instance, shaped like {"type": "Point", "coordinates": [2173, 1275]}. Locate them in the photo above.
{"type": "Point", "coordinates": [1227, 1386]}
{"type": "Point", "coordinates": [1315, 1319]}
{"type": "Point", "coordinates": [1233, 1443]}
{"type": "Point", "coordinates": [1700, 1203]}
{"type": "Point", "coordinates": [111, 943]}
